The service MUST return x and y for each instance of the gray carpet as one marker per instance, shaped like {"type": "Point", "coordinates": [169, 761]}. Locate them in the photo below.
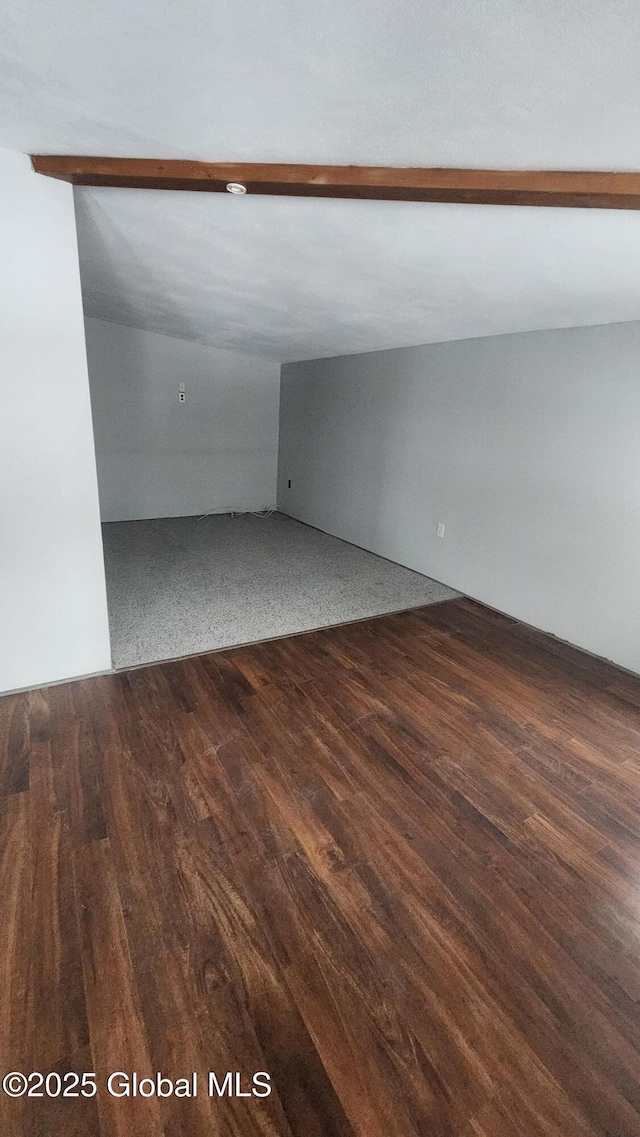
{"type": "Point", "coordinates": [179, 586]}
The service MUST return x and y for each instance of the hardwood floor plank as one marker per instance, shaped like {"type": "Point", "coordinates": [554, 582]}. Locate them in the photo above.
{"type": "Point", "coordinates": [14, 745]}
{"type": "Point", "coordinates": [61, 1041]}
{"type": "Point", "coordinates": [118, 1037]}
{"type": "Point", "coordinates": [395, 865]}
{"type": "Point", "coordinates": [16, 929]}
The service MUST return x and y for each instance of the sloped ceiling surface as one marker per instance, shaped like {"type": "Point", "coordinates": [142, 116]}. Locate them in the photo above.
{"type": "Point", "coordinates": [296, 278]}
{"type": "Point", "coordinates": [473, 83]}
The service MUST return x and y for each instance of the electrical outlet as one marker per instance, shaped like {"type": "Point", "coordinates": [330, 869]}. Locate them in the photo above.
{"type": "Point", "coordinates": [182, 397]}
{"type": "Point", "coordinates": [440, 529]}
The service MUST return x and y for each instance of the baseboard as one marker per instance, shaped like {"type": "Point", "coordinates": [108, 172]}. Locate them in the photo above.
{"type": "Point", "coordinates": [56, 682]}
{"type": "Point", "coordinates": [199, 513]}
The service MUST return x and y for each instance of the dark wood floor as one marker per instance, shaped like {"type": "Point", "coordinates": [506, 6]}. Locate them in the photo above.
{"type": "Point", "coordinates": [396, 865]}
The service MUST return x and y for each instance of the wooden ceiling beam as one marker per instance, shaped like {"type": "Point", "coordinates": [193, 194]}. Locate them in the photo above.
{"type": "Point", "coordinates": [574, 189]}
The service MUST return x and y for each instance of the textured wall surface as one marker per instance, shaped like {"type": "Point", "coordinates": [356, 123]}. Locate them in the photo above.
{"type": "Point", "coordinates": [158, 457]}
{"type": "Point", "coordinates": [525, 446]}
{"type": "Point", "coordinates": [53, 612]}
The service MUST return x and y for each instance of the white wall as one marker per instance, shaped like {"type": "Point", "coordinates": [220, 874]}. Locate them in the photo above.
{"type": "Point", "coordinates": [53, 615]}
{"type": "Point", "coordinates": [527, 446]}
{"type": "Point", "coordinates": [160, 458]}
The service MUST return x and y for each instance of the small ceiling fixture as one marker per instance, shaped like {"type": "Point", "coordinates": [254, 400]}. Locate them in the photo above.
{"type": "Point", "coordinates": [236, 187]}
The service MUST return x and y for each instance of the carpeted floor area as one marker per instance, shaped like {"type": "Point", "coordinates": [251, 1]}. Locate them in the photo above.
{"type": "Point", "coordinates": [179, 586]}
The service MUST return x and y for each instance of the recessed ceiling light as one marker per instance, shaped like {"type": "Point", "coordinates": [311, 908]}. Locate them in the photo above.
{"type": "Point", "coordinates": [236, 187]}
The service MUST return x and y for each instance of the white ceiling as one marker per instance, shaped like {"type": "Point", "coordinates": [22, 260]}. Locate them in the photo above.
{"type": "Point", "coordinates": [548, 83]}
{"type": "Point", "coordinates": [299, 278]}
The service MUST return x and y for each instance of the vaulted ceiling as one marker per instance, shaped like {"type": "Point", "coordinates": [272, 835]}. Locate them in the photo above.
{"type": "Point", "coordinates": [494, 83]}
